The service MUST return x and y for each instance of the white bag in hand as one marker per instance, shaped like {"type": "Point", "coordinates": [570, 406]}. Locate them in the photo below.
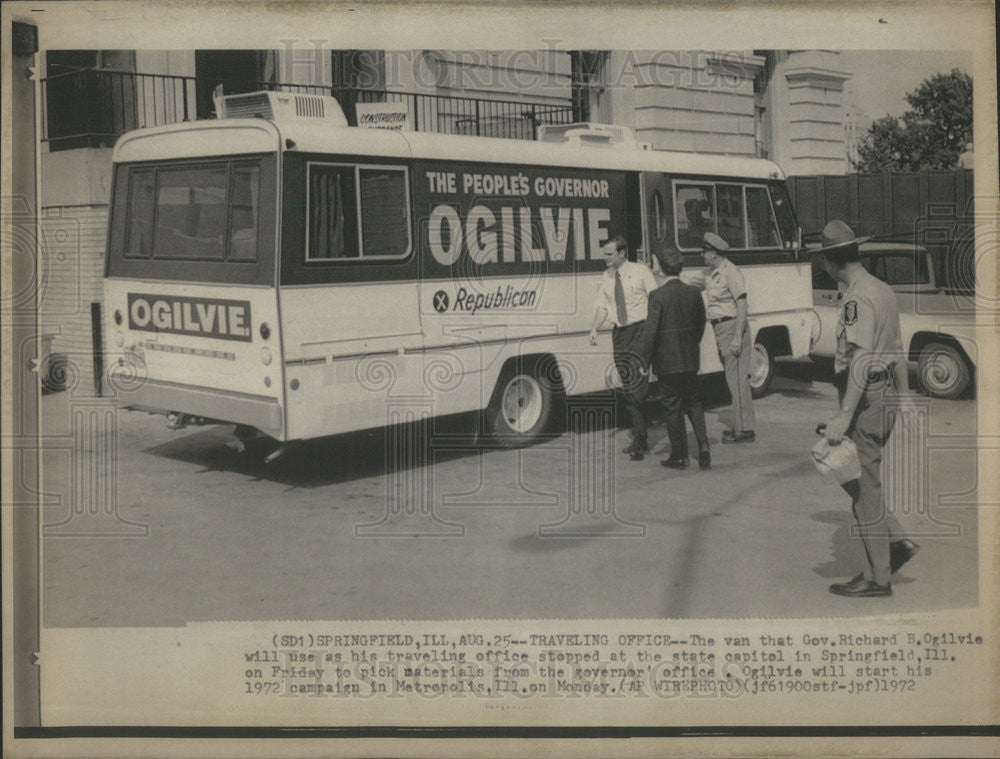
{"type": "Point", "coordinates": [837, 463]}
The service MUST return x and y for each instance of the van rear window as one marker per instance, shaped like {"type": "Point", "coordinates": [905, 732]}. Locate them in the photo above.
{"type": "Point", "coordinates": [200, 213]}
{"type": "Point", "coordinates": [198, 220]}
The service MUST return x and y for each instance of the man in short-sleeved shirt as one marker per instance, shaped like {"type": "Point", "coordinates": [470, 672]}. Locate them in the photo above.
{"type": "Point", "coordinates": [726, 310]}
{"type": "Point", "coordinates": [868, 321]}
{"type": "Point", "coordinates": [623, 299]}
{"type": "Point", "coordinates": [869, 363]}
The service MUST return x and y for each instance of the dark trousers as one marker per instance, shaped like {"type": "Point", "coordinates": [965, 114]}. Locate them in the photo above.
{"type": "Point", "coordinates": [679, 395]}
{"type": "Point", "coordinates": [635, 384]}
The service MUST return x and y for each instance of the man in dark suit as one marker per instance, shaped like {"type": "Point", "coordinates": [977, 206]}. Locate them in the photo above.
{"type": "Point", "coordinates": [671, 347]}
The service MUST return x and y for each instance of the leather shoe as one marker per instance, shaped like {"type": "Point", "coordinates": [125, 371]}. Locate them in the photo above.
{"type": "Point", "coordinates": [672, 463]}
{"type": "Point", "coordinates": [900, 552]}
{"type": "Point", "coordinates": [636, 447]}
{"type": "Point", "coordinates": [636, 454]}
{"type": "Point", "coordinates": [743, 436]}
{"type": "Point", "coordinates": [859, 587]}
{"type": "Point", "coordinates": [705, 459]}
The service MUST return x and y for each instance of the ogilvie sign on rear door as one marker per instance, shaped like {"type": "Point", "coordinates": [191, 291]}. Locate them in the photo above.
{"type": "Point", "coordinates": [501, 220]}
{"type": "Point", "coordinates": [179, 315]}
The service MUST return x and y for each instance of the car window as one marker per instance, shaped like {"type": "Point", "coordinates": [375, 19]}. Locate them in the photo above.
{"type": "Point", "coordinates": [874, 265]}
{"type": "Point", "coordinates": [821, 278]}
{"type": "Point", "coordinates": [905, 270]}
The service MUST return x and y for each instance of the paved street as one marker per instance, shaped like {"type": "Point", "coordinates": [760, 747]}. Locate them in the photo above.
{"type": "Point", "coordinates": [760, 535]}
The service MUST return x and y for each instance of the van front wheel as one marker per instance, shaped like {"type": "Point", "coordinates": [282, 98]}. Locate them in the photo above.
{"type": "Point", "coordinates": [761, 369]}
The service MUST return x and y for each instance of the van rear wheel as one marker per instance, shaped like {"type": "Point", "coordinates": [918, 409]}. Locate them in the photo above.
{"type": "Point", "coordinates": [521, 410]}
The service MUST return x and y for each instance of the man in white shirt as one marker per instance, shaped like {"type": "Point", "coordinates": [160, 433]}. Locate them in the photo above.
{"type": "Point", "coordinates": [623, 299]}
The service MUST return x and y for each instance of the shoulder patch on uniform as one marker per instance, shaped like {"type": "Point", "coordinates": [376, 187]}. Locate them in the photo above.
{"type": "Point", "coordinates": [850, 312]}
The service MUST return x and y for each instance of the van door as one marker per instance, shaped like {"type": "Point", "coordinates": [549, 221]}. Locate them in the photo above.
{"type": "Point", "coordinates": [657, 212]}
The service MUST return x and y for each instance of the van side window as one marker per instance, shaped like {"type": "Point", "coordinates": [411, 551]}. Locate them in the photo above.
{"type": "Point", "coordinates": [357, 212]}
{"type": "Point", "coordinates": [741, 214]}
{"type": "Point", "coordinates": [695, 214]}
{"type": "Point", "coordinates": [385, 225]}
{"type": "Point", "coordinates": [732, 222]}
{"type": "Point", "coordinates": [333, 213]}
{"type": "Point", "coordinates": [760, 219]}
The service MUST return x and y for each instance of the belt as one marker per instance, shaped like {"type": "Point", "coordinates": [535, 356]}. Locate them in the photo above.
{"type": "Point", "coordinates": [721, 319]}
{"type": "Point", "coordinates": [630, 324]}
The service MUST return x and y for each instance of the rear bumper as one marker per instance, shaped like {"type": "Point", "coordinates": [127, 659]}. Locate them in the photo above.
{"type": "Point", "coordinates": [239, 408]}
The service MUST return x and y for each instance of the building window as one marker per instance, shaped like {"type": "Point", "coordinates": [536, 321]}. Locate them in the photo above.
{"type": "Point", "coordinates": [238, 71]}
{"type": "Point", "coordinates": [761, 114]}
{"type": "Point", "coordinates": [587, 71]}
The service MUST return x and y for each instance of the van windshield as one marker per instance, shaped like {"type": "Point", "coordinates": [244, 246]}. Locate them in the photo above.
{"type": "Point", "coordinates": [784, 214]}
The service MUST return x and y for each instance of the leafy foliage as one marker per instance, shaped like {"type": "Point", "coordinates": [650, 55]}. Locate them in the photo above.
{"type": "Point", "coordinates": [931, 135]}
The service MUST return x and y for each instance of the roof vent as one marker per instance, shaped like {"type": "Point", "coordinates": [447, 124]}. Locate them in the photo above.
{"type": "Point", "coordinates": [280, 106]}
{"type": "Point", "coordinates": [588, 134]}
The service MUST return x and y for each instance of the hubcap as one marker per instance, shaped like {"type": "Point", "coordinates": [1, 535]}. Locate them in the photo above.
{"type": "Point", "coordinates": [941, 372]}
{"type": "Point", "coordinates": [759, 365]}
{"type": "Point", "coordinates": [522, 403]}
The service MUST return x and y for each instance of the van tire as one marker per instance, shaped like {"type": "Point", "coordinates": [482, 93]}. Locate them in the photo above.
{"type": "Point", "coordinates": [761, 369]}
{"type": "Point", "coordinates": [942, 371]}
{"type": "Point", "coordinates": [522, 407]}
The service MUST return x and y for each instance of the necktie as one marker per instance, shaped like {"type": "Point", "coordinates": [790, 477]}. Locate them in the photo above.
{"type": "Point", "coordinates": [620, 300]}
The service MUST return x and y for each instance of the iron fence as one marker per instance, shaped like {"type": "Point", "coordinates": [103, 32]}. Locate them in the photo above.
{"type": "Point", "coordinates": [93, 107]}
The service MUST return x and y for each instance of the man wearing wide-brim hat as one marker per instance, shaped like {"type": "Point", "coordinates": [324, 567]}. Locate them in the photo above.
{"type": "Point", "coordinates": [870, 369]}
{"type": "Point", "coordinates": [726, 310]}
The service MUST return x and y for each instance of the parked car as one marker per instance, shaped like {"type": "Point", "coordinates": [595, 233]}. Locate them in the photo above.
{"type": "Point", "coordinates": [938, 328]}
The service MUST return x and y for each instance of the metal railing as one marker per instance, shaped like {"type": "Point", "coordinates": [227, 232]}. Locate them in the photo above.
{"type": "Point", "coordinates": [93, 107]}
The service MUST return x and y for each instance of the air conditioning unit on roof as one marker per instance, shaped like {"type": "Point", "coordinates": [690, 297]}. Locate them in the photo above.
{"type": "Point", "coordinates": [279, 106]}
{"type": "Point", "coordinates": [587, 133]}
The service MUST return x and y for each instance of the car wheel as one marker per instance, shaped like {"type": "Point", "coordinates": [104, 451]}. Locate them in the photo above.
{"type": "Point", "coordinates": [522, 408]}
{"type": "Point", "coordinates": [942, 371]}
{"type": "Point", "coordinates": [761, 369]}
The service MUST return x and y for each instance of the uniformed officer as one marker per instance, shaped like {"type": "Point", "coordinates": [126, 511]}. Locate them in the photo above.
{"type": "Point", "coordinates": [870, 365]}
{"type": "Point", "coordinates": [726, 311]}
{"type": "Point", "coordinates": [623, 299]}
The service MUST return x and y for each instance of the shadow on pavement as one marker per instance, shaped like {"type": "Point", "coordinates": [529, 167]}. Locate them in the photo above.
{"type": "Point", "coordinates": [385, 450]}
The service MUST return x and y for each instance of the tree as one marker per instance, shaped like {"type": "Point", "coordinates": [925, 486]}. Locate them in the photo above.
{"type": "Point", "coordinates": [931, 135]}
